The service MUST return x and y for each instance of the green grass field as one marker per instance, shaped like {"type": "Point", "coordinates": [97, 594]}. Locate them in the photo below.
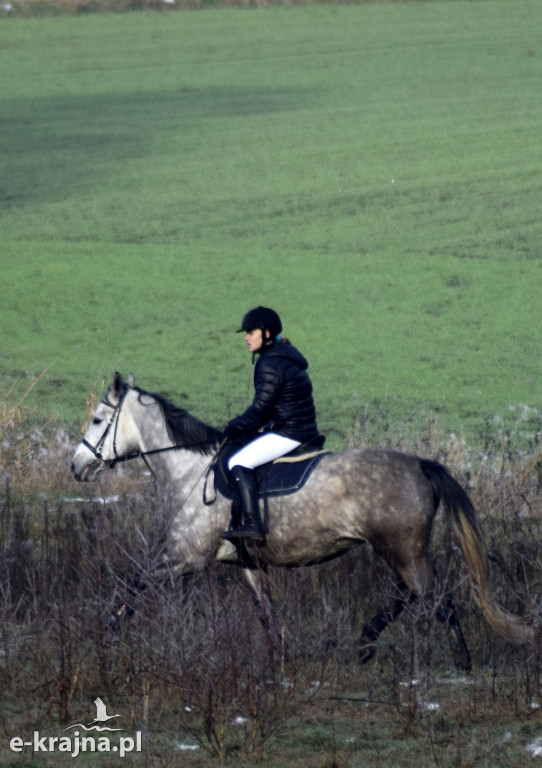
{"type": "Point", "coordinates": [371, 171]}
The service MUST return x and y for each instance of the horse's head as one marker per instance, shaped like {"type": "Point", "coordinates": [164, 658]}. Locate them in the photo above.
{"type": "Point", "coordinates": [107, 438]}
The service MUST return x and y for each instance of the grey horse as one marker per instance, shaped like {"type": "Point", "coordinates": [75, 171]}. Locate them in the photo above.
{"type": "Point", "coordinates": [386, 498]}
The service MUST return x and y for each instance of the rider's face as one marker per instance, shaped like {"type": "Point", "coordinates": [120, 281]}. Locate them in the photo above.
{"type": "Point", "coordinates": [254, 339]}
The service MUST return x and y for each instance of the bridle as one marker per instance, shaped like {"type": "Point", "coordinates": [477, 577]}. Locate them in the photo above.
{"type": "Point", "coordinates": [114, 420]}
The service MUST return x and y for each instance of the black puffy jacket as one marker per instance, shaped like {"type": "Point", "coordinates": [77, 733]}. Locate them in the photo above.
{"type": "Point", "coordinates": [283, 397]}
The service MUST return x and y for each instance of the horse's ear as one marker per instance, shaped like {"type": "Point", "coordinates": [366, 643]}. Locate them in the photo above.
{"type": "Point", "coordinates": [118, 384]}
{"type": "Point", "coordinates": [130, 381]}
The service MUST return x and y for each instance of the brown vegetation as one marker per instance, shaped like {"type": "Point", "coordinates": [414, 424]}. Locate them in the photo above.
{"type": "Point", "coordinates": [73, 7]}
{"type": "Point", "coordinates": [88, 608]}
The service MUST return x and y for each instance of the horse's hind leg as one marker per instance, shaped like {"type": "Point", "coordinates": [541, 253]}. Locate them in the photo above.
{"type": "Point", "coordinates": [420, 576]}
{"type": "Point", "coordinates": [373, 629]}
{"type": "Point", "coordinates": [447, 615]}
{"type": "Point", "coordinates": [413, 579]}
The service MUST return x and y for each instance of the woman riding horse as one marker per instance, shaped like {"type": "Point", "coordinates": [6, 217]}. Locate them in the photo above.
{"type": "Point", "coordinates": [282, 411]}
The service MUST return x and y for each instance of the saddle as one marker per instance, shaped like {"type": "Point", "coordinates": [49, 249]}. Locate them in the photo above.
{"type": "Point", "coordinates": [277, 478]}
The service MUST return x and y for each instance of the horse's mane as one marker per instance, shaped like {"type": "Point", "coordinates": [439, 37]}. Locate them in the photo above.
{"type": "Point", "coordinates": [184, 429]}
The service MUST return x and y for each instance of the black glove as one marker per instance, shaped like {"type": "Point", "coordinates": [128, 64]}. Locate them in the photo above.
{"type": "Point", "coordinates": [230, 430]}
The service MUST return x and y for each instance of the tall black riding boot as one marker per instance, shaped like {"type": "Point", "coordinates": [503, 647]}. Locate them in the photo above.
{"type": "Point", "coordinates": [247, 493]}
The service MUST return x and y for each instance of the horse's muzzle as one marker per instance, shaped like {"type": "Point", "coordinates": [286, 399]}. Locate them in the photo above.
{"type": "Point", "coordinates": [85, 473]}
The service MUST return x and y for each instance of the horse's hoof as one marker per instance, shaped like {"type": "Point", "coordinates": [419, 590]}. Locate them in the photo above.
{"type": "Point", "coordinates": [366, 652]}
{"type": "Point", "coordinates": [462, 663]}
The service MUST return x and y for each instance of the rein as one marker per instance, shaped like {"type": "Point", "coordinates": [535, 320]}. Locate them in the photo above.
{"type": "Point", "coordinates": [110, 463]}
{"type": "Point", "coordinates": [97, 449]}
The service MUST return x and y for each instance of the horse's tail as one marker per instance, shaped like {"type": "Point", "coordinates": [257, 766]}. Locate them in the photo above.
{"type": "Point", "coordinates": [470, 534]}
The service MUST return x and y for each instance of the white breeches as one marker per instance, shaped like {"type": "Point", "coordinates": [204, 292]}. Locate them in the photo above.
{"type": "Point", "coordinates": [266, 448]}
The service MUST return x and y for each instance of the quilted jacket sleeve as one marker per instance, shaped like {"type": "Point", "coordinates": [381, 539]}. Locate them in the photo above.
{"type": "Point", "coordinates": [267, 386]}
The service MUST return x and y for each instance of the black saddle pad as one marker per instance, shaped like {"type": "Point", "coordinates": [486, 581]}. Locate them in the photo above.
{"type": "Point", "coordinates": [274, 479]}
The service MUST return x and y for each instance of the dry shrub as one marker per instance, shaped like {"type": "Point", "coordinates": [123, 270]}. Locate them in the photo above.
{"type": "Point", "coordinates": [89, 605]}
{"type": "Point", "coordinates": [35, 459]}
{"type": "Point", "coordinates": [22, 444]}
{"type": "Point", "coordinates": [73, 7]}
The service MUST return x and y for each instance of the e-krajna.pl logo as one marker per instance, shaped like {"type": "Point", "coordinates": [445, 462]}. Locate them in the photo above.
{"type": "Point", "coordinates": [75, 743]}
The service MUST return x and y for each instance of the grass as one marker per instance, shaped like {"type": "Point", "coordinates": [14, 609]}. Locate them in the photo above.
{"type": "Point", "coordinates": [372, 171]}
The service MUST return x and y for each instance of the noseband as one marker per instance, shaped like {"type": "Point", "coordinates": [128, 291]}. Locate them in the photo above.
{"type": "Point", "coordinates": [97, 449]}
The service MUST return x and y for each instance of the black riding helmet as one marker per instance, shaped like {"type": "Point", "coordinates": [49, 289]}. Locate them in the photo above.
{"type": "Point", "coordinates": [264, 318]}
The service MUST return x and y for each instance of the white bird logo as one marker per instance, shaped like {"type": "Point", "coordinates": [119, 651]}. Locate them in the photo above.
{"type": "Point", "coordinates": [101, 713]}
{"type": "Point", "coordinates": [101, 718]}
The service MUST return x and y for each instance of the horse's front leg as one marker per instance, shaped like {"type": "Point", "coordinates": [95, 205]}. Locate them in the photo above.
{"type": "Point", "coordinates": [258, 583]}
